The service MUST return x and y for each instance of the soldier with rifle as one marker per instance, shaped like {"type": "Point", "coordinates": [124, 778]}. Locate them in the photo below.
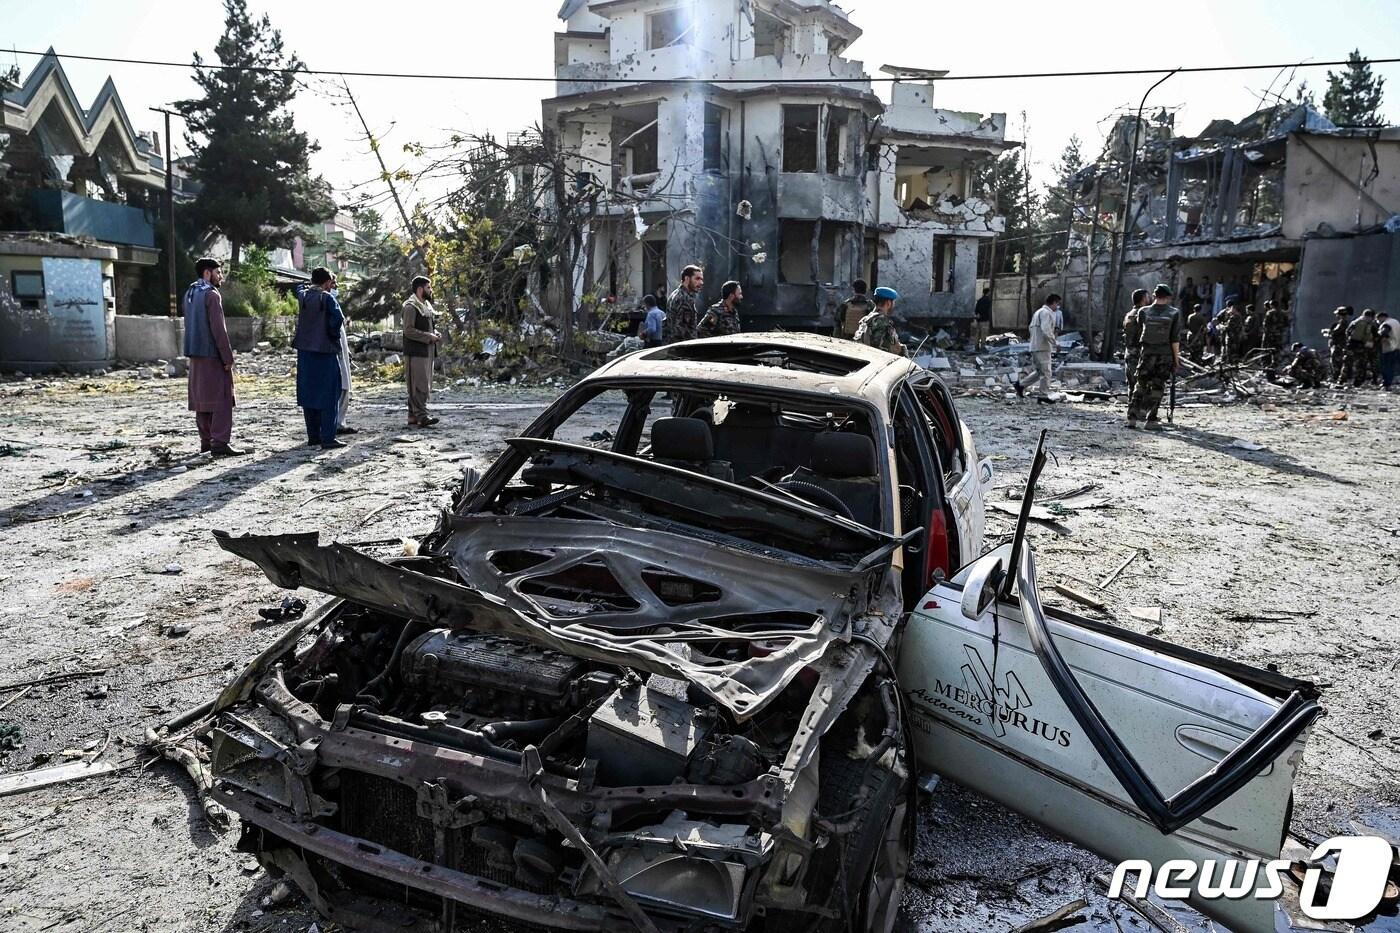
{"type": "Point", "coordinates": [1161, 355]}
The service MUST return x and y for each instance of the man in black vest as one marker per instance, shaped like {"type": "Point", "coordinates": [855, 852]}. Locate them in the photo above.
{"type": "Point", "coordinates": [419, 339]}
{"type": "Point", "coordinates": [317, 342]}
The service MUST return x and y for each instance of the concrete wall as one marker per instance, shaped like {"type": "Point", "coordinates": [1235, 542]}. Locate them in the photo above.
{"type": "Point", "coordinates": [143, 338]}
{"type": "Point", "coordinates": [1315, 195]}
{"type": "Point", "coordinates": [72, 327]}
{"type": "Point", "coordinates": [1360, 271]}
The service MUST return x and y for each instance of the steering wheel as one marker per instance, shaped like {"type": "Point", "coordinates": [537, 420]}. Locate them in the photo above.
{"type": "Point", "coordinates": [823, 498]}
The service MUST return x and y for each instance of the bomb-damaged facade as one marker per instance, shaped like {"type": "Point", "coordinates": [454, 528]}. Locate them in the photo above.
{"type": "Point", "coordinates": [756, 149]}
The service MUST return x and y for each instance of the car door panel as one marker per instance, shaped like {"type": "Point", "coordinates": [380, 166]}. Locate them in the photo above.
{"type": "Point", "coordinates": [987, 714]}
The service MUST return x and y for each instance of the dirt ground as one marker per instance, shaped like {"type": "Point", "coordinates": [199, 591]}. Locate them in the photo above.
{"type": "Point", "coordinates": [1283, 556]}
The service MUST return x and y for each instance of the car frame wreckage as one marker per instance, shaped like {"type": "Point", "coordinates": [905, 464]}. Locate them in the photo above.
{"type": "Point", "coordinates": [682, 675]}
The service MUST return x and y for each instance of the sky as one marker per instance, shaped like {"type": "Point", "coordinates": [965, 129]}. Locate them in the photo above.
{"type": "Point", "coordinates": [515, 38]}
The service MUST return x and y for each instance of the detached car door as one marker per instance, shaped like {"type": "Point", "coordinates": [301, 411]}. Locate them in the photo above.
{"type": "Point", "coordinates": [1211, 746]}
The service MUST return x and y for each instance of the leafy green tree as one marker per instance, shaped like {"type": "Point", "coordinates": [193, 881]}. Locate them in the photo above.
{"type": "Point", "coordinates": [1002, 182]}
{"type": "Point", "coordinates": [382, 286]}
{"type": "Point", "coordinates": [251, 161]}
{"type": "Point", "coordinates": [1354, 95]}
{"type": "Point", "coordinates": [1057, 210]}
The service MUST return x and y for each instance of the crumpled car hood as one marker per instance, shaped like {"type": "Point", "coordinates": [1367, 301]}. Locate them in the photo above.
{"type": "Point", "coordinates": [790, 610]}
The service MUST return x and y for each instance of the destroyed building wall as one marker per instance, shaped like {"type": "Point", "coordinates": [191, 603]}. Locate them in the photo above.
{"type": "Point", "coordinates": [1361, 271]}
{"type": "Point", "coordinates": [674, 162]}
{"type": "Point", "coordinates": [1340, 183]}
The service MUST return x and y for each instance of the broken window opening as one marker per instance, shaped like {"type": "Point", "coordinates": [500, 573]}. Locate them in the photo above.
{"type": "Point", "coordinates": [944, 258]}
{"type": "Point", "coordinates": [716, 138]}
{"type": "Point", "coordinates": [770, 35]}
{"type": "Point", "coordinates": [801, 128]}
{"type": "Point", "coordinates": [795, 244]}
{"type": "Point", "coordinates": [654, 269]}
{"type": "Point", "coordinates": [838, 138]}
{"type": "Point", "coordinates": [669, 27]}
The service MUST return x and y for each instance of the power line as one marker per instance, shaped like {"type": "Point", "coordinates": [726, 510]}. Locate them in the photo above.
{"type": "Point", "coordinates": [1118, 72]}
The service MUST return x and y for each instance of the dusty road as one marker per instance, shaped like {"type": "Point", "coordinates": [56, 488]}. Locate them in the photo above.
{"type": "Point", "coordinates": [1282, 556]}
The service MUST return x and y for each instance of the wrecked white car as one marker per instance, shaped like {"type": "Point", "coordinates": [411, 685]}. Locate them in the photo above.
{"type": "Point", "coordinates": [673, 675]}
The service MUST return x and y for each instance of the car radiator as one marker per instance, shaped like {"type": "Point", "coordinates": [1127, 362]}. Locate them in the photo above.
{"type": "Point", "coordinates": [385, 812]}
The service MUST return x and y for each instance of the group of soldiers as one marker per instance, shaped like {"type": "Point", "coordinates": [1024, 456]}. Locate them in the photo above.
{"type": "Point", "coordinates": [864, 318]}
{"type": "Point", "coordinates": [1355, 344]}
{"type": "Point", "coordinates": [1237, 333]}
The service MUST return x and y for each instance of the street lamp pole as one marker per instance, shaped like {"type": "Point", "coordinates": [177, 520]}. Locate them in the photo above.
{"type": "Point", "coordinates": [1116, 272]}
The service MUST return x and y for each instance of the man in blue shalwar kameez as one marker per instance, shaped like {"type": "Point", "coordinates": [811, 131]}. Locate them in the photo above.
{"type": "Point", "coordinates": [317, 343]}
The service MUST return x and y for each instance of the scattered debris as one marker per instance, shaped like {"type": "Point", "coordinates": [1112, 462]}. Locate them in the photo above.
{"type": "Point", "coordinates": [1243, 444]}
{"type": "Point", "coordinates": [289, 610]}
{"type": "Point", "coordinates": [11, 737]}
{"type": "Point", "coordinates": [54, 678]}
{"type": "Point", "coordinates": [1108, 580]}
{"type": "Point", "coordinates": [175, 629]}
{"type": "Point", "coordinates": [1056, 919]}
{"type": "Point", "coordinates": [1151, 614]}
{"type": "Point", "coordinates": [172, 569]}
{"type": "Point", "coordinates": [26, 781]}
{"type": "Point", "coordinates": [1082, 598]}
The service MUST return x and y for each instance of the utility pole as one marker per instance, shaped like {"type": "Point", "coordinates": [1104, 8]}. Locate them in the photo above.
{"type": "Point", "coordinates": [1116, 271]}
{"type": "Point", "coordinates": [1029, 243]}
{"type": "Point", "coordinates": [170, 216]}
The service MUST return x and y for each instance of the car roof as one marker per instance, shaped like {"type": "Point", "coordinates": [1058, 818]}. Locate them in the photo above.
{"type": "Point", "coordinates": [814, 363]}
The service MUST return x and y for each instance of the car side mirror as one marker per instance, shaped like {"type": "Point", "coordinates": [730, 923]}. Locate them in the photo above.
{"type": "Point", "coordinates": [985, 471]}
{"type": "Point", "coordinates": [980, 590]}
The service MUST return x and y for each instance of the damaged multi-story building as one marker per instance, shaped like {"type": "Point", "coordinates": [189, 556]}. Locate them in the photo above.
{"type": "Point", "coordinates": [1281, 205]}
{"type": "Point", "coordinates": [734, 134]}
{"type": "Point", "coordinates": [80, 192]}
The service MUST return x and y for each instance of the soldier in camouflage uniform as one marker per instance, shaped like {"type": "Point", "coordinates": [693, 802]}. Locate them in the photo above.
{"type": "Point", "coordinates": [1275, 328]}
{"type": "Point", "coordinates": [1306, 369]}
{"type": "Point", "coordinates": [1196, 333]}
{"type": "Point", "coordinates": [1253, 332]}
{"type": "Point", "coordinates": [723, 317]}
{"type": "Point", "coordinates": [1132, 339]}
{"type": "Point", "coordinates": [1229, 330]}
{"type": "Point", "coordinates": [1337, 341]}
{"type": "Point", "coordinates": [1161, 355]}
{"type": "Point", "coordinates": [1361, 341]}
{"type": "Point", "coordinates": [876, 329]}
{"type": "Point", "coordinates": [680, 307]}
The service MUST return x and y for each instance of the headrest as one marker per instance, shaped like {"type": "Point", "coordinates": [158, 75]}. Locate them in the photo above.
{"type": "Point", "coordinates": [843, 455]}
{"type": "Point", "coordinates": [681, 439]}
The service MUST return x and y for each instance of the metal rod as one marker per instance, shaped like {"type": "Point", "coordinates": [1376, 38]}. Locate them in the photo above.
{"type": "Point", "coordinates": [1116, 272]}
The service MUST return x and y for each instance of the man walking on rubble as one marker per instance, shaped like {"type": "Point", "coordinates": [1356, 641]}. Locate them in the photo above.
{"type": "Point", "coordinates": [317, 342]}
{"type": "Point", "coordinates": [1196, 333]}
{"type": "Point", "coordinates": [877, 329]}
{"type": "Point", "coordinates": [722, 319]}
{"type": "Point", "coordinates": [680, 307]}
{"type": "Point", "coordinates": [420, 340]}
{"type": "Point", "coordinates": [1161, 355]}
{"type": "Point", "coordinates": [1042, 346]}
{"type": "Point", "coordinates": [850, 312]}
{"type": "Point", "coordinates": [210, 389]}
{"type": "Point", "coordinates": [1132, 339]}
{"type": "Point", "coordinates": [1388, 340]}
{"type": "Point", "coordinates": [1361, 341]}
{"type": "Point", "coordinates": [1337, 341]}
